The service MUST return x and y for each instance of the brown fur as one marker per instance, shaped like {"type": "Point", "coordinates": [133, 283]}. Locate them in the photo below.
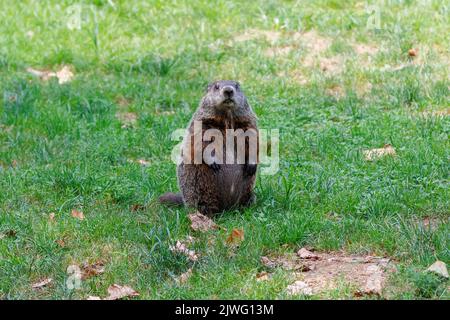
{"type": "Point", "coordinates": [208, 188]}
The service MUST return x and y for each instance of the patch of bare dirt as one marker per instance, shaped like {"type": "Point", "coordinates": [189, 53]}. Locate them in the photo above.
{"type": "Point", "coordinates": [128, 119]}
{"type": "Point", "coordinates": [363, 88]}
{"type": "Point", "coordinates": [366, 49]}
{"type": "Point", "coordinates": [122, 101]}
{"type": "Point", "coordinates": [318, 272]}
{"type": "Point", "coordinates": [277, 51]}
{"type": "Point", "coordinates": [316, 46]}
{"type": "Point", "coordinates": [315, 43]}
{"type": "Point", "coordinates": [296, 75]}
{"type": "Point", "coordinates": [332, 65]}
{"type": "Point", "coordinates": [252, 34]}
{"type": "Point", "coordinates": [336, 91]}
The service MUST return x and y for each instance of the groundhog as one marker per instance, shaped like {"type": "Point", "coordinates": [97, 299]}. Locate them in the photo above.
{"type": "Point", "coordinates": [215, 184]}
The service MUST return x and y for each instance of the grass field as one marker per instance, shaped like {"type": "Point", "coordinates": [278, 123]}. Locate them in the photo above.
{"type": "Point", "coordinates": [333, 76]}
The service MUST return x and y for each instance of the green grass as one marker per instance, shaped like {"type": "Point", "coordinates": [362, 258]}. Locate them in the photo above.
{"type": "Point", "coordinates": [61, 146]}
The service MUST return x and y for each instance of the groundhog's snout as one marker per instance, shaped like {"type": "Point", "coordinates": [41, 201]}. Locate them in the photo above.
{"type": "Point", "coordinates": [228, 92]}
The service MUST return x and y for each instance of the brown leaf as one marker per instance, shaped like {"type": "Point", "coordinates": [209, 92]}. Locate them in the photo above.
{"type": "Point", "coordinates": [377, 153]}
{"type": "Point", "coordinates": [61, 243]}
{"type": "Point", "coordinates": [200, 222]}
{"type": "Point", "coordinates": [268, 262]}
{"type": "Point", "coordinates": [42, 283]}
{"type": "Point", "coordinates": [116, 292]}
{"type": "Point", "coordinates": [306, 254]}
{"type": "Point", "coordinates": [236, 236]}
{"type": "Point", "coordinates": [262, 276]}
{"type": "Point", "coordinates": [90, 270]}
{"type": "Point", "coordinates": [77, 214]}
{"type": "Point", "coordinates": [137, 207]}
{"type": "Point", "coordinates": [181, 247]}
{"type": "Point", "coordinates": [184, 277]}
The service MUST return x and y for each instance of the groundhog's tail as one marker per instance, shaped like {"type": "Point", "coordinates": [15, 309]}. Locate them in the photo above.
{"type": "Point", "coordinates": [171, 199]}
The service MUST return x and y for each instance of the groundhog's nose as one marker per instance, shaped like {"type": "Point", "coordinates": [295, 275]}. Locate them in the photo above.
{"type": "Point", "coordinates": [228, 91]}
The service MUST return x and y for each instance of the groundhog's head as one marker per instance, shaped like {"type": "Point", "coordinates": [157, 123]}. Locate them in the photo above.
{"type": "Point", "coordinates": [224, 96]}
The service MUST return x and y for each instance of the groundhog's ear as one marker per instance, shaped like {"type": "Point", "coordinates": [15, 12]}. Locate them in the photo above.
{"type": "Point", "coordinates": [209, 86]}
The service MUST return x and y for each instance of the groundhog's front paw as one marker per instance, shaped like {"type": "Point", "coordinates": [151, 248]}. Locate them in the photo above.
{"type": "Point", "coordinates": [214, 166]}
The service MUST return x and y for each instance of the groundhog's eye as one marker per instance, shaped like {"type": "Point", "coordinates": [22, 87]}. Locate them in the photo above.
{"type": "Point", "coordinates": [216, 86]}
{"type": "Point", "coordinates": [238, 87]}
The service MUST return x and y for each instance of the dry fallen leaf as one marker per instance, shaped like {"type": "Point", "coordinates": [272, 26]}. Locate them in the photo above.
{"type": "Point", "coordinates": [299, 287]}
{"type": "Point", "coordinates": [236, 236]}
{"type": "Point", "coordinates": [51, 216]}
{"type": "Point", "coordinates": [181, 247]}
{"type": "Point", "coordinates": [64, 74]}
{"type": "Point", "coordinates": [373, 154]}
{"type": "Point", "coordinates": [116, 292]}
{"type": "Point", "coordinates": [262, 276]}
{"type": "Point", "coordinates": [61, 243]}
{"type": "Point", "coordinates": [306, 254]}
{"type": "Point", "coordinates": [41, 283]}
{"type": "Point", "coordinates": [77, 214]}
{"type": "Point", "coordinates": [93, 298]}
{"type": "Point", "coordinates": [143, 162]}
{"type": "Point", "coordinates": [200, 222]}
{"type": "Point", "coordinates": [90, 270]}
{"type": "Point", "coordinates": [137, 207]}
{"type": "Point", "coordinates": [184, 277]}
{"type": "Point", "coordinates": [268, 262]}
{"type": "Point", "coordinates": [439, 268]}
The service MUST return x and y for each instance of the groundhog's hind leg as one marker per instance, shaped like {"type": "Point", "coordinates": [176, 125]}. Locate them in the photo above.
{"type": "Point", "coordinates": [199, 188]}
